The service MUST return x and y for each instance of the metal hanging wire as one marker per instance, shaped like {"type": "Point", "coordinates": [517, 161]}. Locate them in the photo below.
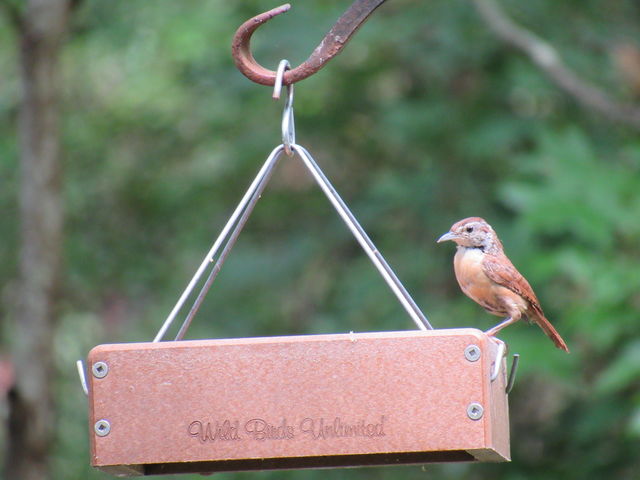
{"type": "Point", "coordinates": [249, 197]}
{"type": "Point", "coordinates": [236, 222]}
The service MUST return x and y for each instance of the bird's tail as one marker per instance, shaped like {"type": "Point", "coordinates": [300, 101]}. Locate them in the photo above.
{"type": "Point", "coordinates": [551, 332]}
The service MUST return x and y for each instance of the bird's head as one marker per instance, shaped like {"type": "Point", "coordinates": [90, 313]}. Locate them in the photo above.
{"type": "Point", "coordinates": [473, 232]}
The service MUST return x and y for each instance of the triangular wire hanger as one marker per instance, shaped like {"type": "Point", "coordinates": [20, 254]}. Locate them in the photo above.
{"type": "Point", "coordinates": [239, 217]}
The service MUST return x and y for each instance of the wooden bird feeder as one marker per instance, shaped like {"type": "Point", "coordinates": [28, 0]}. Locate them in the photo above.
{"type": "Point", "coordinates": [301, 401]}
{"type": "Point", "coordinates": [356, 399]}
{"type": "Point", "coordinates": [297, 402]}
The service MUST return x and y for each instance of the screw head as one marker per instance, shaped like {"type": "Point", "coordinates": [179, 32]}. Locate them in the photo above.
{"type": "Point", "coordinates": [475, 411]}
{"type": "Point", "coordinates": [472, 353]}
{"type": "Point", "coordinates": [100, 369]}
{"type": "Point", "coordinates": [102, 428]}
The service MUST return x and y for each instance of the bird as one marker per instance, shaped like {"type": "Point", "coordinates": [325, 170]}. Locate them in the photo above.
{"type": "Point", "coordinates": [487, 276]}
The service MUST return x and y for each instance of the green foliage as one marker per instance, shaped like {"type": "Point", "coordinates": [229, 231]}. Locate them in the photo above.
{"type": "Point", "coordinates": [576, 205]}
{"type": "Point", "coordinates": [424, 119]}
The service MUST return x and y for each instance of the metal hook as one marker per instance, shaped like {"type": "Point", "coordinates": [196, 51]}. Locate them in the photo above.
{"type": "Point", "coordinates": [511, 378]}
{"type": "Point", "coordinates": [83, 376]}
{"type": "Point", "coordinates": [288, 125]}
{"type": "Point", "coordinates": [498, 361]}
{"type": "Point", "coordinates": [331, 45]}
{"type": "Point", "coordinates": [512, 374]}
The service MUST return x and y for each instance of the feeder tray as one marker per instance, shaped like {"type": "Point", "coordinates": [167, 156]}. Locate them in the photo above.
{"type": "Point", "coordinates": [382, 398]}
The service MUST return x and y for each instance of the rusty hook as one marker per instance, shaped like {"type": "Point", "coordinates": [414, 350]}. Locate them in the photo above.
{"type": "Point", "coordinates": [329, 47]}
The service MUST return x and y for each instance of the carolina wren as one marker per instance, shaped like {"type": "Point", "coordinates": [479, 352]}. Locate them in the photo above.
{"type": "Point", "coordinates": [488, 277]}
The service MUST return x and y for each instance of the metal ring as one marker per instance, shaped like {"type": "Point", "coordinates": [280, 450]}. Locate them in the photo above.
{"type": "Point", "coordinates": [277, 85]}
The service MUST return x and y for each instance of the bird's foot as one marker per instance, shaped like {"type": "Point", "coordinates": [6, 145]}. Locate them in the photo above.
{"type": "Point", "coordinates": [492, 331]}
{"type": "Point", "coordinates": [507, 321]}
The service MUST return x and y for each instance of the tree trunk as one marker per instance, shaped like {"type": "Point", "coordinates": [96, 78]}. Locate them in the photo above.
{"type": "Point", "coordinates": [41, 28]}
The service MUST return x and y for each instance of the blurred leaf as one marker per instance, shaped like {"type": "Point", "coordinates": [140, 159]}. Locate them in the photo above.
{"type": "Point", "coordinates": [623, 372]}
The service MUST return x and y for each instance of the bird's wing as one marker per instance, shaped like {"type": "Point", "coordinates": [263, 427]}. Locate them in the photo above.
{"type": "Point", "coordinates": [500, 270]}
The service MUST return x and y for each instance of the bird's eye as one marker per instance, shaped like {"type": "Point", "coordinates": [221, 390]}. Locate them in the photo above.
{"type": "Point", "coordinates": [469, 229]}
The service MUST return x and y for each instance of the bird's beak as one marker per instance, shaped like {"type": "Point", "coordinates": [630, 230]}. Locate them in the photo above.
{"type": "Point", "coordinates": [447, 236]}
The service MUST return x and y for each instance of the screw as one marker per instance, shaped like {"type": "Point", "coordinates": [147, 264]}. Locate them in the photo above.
{"type": "Point", "coordinates": [102, 428]}
{"type": "Point", "coordinates": [100, 369]}
{"type": "Point", "coordinates": [475, 411]}
{"type": "Point", "coordinates": [472, 353]}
